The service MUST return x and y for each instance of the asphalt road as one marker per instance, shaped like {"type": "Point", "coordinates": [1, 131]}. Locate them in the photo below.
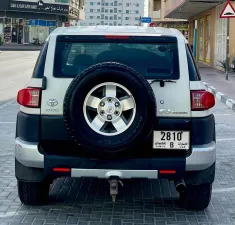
{"type": "Point", "coordinates": [87, 201]}
{"type": "Point", "coordinates": [15, 71]}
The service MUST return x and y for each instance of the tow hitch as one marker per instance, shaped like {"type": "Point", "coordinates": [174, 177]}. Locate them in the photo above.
{"type": "Point", "coordinates": [113, 182]}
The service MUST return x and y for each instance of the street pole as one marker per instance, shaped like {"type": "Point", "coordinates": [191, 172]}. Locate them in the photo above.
{"type": "Point", "coordinates": [227, 49]}
{"type": "Point", "coordinates": [140, 21]}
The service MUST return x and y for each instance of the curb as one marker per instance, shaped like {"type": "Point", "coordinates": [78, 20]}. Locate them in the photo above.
{"type": "Point", "coordinates": [222, 97]}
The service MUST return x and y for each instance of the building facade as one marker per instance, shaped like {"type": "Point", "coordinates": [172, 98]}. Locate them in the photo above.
{"type": "Point", "coordinates": [157, 11]}
{"type": "Point", "coordinates": [207, 31]}
{"type": "Point", "coordinates": [26, 21]}
{"type": "Point", "coordinates": [113, 12]}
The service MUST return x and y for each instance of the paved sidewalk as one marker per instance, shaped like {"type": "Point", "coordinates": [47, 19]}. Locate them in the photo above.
{"type": "Point", "coordinates": [215, 81]}
{"type": "Point", "coordinates": [19, 47]}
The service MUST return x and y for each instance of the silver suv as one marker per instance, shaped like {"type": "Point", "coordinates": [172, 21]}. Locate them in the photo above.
{"type": "Point", "coordinates": [116, 103]}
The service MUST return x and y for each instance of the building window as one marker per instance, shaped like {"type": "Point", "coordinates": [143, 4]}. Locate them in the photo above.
{"type": "Point", "coordinates": [115, 10]}
{"type": "Point", "coordinates": [137, 4]}
{"type": "Point", "coordinates": [137, 11]}
{"type": "Point", "coordinates": [127, 4]}
{"type": "Point", "coordinates": [102, 22]}
{"type": "Point", "coordinates": [119, 18]}
{"type": "Point", "coordinates": [127, 18]}
{"type": "Point", "coordinates": [127, 11]}
{"type": "Point", "coordinates": [115, 3]}
{"type": "Point", "coordinates": [119, 10]}
{"type": "Point", "coordinates": [91, 17]}
{"type": "Point", "coordinates": [106, 24]}
{"type": "Point", "coordinates": [102, 9]}
{"type": "Point", "coordinates": [106, 10]}
{"type": "Point", "coordinates": [137, 18]}
{"type": "Point", "coordinates": [110, 24]}
{"type": "Point", "coordinates": [106, 17]}
{"type": "Point", "coordinates": [91, 10]}
{"type": "Point", "coordinates": [98, 10]}
{"type": "Point", "coordinates": [102, 16]}
{"type": "Point", "coordinates": [111, 18]}
{"type": "Point", "coordinates": [91, 3]}
{"type": "Point", "coordinates": [115, 17]}
{"type": "Point", "coordinates": [111, 4]}
{"type": "Point", "coordinates": [120, 4]}
{"type": "Point", "coordinates": [98, 3]}
{"type": "Point", "coordinates": [111, 10]}
{"type": "Point", "coordinates": [106, 4]}
{"type": "Point", "coordinates": [98, 17]}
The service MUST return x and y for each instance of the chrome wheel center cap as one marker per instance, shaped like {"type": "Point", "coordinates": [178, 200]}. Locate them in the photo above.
{"type": "Point", "coordinates": [109, 108]}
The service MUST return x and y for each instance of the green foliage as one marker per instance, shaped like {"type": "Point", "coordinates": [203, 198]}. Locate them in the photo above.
{"type": "Point", "coordinates": [222, 64]}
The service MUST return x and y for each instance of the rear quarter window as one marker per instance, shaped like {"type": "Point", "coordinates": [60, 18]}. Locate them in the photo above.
{"type": "Point", "coordinates": [194, 74]}
{"type": "Point", "coordinates": [40, 64]}
{"type": "Point", "coordinates": [151, 57]}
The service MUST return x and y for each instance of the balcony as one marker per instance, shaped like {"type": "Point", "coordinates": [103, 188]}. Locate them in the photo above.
{"type": "Point", "coordinates": [184, 9]}
{"type": "Point", "coordinates": [157, 14]}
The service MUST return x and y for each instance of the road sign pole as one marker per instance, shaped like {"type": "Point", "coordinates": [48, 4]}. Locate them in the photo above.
{"type": "Point", "coordinates": [228, 12]}
{"type": "Point", "coordinates": [227, 49]}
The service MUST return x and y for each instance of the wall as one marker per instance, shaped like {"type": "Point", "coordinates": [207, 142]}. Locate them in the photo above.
{"type": "Point", "coordinates": [198, 17]}
{"type": "Point", "coordinates": [232, 35]}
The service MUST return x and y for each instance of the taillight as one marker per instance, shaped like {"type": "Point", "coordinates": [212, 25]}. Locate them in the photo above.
{"type": "Point", "coordinates": [116, 37]}
{"type": "Point", "coordinates": [202, 100]}
{"type": "Point", "coordinates": [29, 97]}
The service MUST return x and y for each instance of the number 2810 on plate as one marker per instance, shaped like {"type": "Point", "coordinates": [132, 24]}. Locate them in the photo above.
{"type": "Point", "coordinates": [171, 140]}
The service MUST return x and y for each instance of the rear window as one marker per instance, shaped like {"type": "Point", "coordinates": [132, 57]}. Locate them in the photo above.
{"type": "Point", "coordinates": [152, 57]}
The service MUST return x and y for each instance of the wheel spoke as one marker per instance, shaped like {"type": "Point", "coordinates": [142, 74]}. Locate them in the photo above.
{"type": "Point", "coordinates": [97, 123]}
{"type": "Point", "coordinates": [110, 91]}
{"type": "Point", "coordinates": [119, 124]}
{"type": "Point", "coordinates": [93, 102]}
{"type": "Point", "coordinates": [127, 104]}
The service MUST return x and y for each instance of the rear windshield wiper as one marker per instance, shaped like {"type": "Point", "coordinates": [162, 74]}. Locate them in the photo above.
{"type": "Point", "coordinates": [162, 82]}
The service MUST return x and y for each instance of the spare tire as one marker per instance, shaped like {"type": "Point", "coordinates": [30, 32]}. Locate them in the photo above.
{"type": "Point", "coordinates": [109, 107]}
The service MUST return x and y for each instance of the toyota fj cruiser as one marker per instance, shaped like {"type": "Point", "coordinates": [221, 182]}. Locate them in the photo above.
{"type": "Point", "coordinates": [116, 103]}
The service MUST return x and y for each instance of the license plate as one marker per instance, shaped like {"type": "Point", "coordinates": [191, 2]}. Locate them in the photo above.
{"type": "Point", "coordinates": [171, 140]}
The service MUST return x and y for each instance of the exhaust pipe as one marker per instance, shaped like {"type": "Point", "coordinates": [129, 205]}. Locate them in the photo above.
{"type": "Point", "coordinates": [180, 185]}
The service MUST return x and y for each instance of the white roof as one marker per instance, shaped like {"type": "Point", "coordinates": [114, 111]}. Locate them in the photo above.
{"type": "Point", "coordinates": [118, 30]}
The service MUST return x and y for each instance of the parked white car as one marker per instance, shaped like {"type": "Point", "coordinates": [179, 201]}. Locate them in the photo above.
{"type": "Point", "coordinates": [116, 103]}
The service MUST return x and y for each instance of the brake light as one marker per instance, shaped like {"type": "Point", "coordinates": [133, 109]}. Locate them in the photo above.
{"type": "Point", "coordinates": [61, 170]}
{"type": "Point", "coordinates": [167, 171]}
{"type": "Point", "coordinates": [29, 97]}
{"type": "Point", "coordinates": [202, 100]}
{"type": "Point", "coordinates": [116, 37]}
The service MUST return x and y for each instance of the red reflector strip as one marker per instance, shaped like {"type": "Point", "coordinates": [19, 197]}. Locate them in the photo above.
{"type": "Point", "coordinates": [116, 37]}
{"type": "Point", "coordinates": [61, 169]}
{"type": "Point", "coordinates": [167, 171]}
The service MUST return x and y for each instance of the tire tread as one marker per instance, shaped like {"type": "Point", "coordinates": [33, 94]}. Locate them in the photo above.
{"type": "Point", "coordinates": [196, 197]}
{"type": "Point", "coordinates": [33, 193]}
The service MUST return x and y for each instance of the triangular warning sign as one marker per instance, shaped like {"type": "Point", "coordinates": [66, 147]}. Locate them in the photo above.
{"type": "Point", "coordinates": [228, 11]}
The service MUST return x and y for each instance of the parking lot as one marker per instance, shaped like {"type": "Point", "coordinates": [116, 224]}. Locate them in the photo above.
{"type": "Point", "coordinates": [87, 201]}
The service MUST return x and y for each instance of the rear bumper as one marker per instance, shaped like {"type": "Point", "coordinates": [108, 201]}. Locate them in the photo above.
{"type": "Point", "coordinates": [202, 157]}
